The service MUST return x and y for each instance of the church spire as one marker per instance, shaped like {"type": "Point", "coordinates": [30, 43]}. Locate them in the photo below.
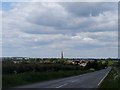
{"type": "Point", "coordinates": [61, 54]}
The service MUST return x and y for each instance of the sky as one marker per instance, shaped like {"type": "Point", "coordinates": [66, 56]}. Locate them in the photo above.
{"type": "Point", "coordinates": [44, 29]}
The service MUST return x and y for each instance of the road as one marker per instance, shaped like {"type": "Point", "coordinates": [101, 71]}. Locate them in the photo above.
{"type": "Point", "coordinates": [88, 80]}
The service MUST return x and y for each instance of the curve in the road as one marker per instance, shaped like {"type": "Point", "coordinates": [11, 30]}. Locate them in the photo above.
{"type": "Point", "coordinates": [89, 80]}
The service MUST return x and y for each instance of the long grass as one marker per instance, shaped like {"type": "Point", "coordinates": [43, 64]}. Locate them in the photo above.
{"type": "Point", "coordinates": [32, 77]}
{"type": "Point", "coordinates": [110, 82]}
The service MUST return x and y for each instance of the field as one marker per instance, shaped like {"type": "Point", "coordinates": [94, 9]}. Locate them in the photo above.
{"type": "Point", "coordinates": [30, 77]}
{"type": "Point", "coordinates": [32, 71]}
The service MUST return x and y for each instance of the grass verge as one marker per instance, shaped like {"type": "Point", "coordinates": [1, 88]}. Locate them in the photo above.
{"type": "Point", "coordinates": [111, 82]}
{"type": "Point", "coordinates": [33, 77]}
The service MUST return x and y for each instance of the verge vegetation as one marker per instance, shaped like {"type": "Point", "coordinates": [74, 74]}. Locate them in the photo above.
{"type": "Point", "coordinates": [112, 81]}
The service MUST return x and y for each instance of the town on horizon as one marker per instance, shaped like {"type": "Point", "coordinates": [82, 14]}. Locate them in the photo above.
{"type": "Point", "coordinates": [61, 57]}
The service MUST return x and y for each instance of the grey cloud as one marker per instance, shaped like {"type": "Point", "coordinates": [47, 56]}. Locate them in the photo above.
{"type": "Point", "coordinates": [61, 19]}
{"type": "Point", "coordinates": [86, 8]}
{"type": "Point", "coordinates": [52, 27]}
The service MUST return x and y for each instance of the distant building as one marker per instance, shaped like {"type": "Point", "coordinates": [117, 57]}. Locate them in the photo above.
{"type": "Point", "coordinates": [82, 63]}
{"type": "Point", "coordinates": [62, 55]}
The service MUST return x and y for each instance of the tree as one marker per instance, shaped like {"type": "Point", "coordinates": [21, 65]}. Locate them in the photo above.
{"type": "Point", "coordinates": [95, 64]}
{"type": "Point", "coordinates": [88, 66]}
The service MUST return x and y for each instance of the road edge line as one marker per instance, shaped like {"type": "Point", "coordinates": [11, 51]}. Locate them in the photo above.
{"type": "Point", "coordinates": [103, 78]}
{"type": "Point", "coordinates": [61, 85]}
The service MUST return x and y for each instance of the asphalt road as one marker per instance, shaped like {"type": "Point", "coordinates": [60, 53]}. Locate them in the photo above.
{"type": "Point", "coordinates": [88, 80]}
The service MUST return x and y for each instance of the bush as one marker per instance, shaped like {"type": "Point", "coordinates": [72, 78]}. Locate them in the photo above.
{"type": "Point", "coordinates": [11, 68]}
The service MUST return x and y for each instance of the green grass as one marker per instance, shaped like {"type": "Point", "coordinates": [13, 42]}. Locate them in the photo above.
{"type": "Point", "coordinates": [110, 81]}
{"type": "Point", "coordinates": [111, 62]}
{"type": "Point", "coordinates": [32, 77]}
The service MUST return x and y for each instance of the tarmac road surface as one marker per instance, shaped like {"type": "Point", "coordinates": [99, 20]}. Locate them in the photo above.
{"type": "Point", "coordinates": [88, 80]}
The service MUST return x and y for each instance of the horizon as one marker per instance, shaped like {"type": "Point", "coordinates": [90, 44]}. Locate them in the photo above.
{"type": "Point", "coordinates": [64, 57]}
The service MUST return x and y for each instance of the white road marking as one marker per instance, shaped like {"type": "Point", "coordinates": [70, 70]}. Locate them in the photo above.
{"type": "Point", "coordinates": [103, 79]}
{"type": "Point", "coordinates": [74, 81]}
{"type": "Point", "coordinates": [61, 85]}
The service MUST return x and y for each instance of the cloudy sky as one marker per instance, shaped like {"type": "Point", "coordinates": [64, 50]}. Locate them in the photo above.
{"type": "Point", "coordinates": [44, 29]}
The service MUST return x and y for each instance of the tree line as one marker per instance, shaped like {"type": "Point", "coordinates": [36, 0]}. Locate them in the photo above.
{"type": "Point", "coordinates": [9, 67]}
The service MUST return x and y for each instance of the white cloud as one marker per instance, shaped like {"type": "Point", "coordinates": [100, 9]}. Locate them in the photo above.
{"type": "Point", "coordinates": [61, 1]}
{"type": "Point", "coordinates": [52, 28]}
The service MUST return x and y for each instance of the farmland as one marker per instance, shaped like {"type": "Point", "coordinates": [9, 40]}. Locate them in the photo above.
{"type": "Point", "coordinates": [20, 72]}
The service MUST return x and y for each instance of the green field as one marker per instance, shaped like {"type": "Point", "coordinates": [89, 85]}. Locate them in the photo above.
{"type": "Point", "coordinates": [30, 77]}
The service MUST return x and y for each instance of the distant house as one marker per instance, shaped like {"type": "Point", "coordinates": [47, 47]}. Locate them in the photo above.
{"type": "Point", "coordinates": [16, 62]}
{"type": "Point", "coordinates": [83, 64]}
{"type": "Point", "coordinates": [75, 62]}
